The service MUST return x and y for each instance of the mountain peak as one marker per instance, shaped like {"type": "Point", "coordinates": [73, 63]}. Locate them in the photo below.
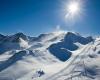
{"type": "Point", "coordinates": [72, 37]}
{"type": "Point", "coordinates": [2, 36]}
{"type": "Point", "coordinates": [20, 34]}
{"type": "Point", "coordinates": [16, 37]}
{"type": "Point", "coordinates": [73, 33]}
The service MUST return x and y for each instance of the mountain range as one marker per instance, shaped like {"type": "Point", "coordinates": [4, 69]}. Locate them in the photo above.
{"type": "Point", "coordinates": [58, 55]}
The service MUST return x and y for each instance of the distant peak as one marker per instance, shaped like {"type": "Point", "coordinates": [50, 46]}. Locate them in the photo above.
{"type": "Point", "coordinates": [16, 37]}
{"type": "Point", "coordinates": [73, 33]}
{"type": "Point", "coordinates": [2, 35]}
{"type": "Point", "coordinates": [57, 32]}
{"type": "Point", "coordinates": [20, 34]}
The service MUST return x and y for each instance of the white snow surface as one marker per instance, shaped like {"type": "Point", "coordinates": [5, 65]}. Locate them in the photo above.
{"type": "Point", "coordinates": [34, 61]}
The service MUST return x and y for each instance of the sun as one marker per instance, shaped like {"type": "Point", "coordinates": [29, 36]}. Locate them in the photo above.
{"type": "Point", "coordinates": [73, 8]}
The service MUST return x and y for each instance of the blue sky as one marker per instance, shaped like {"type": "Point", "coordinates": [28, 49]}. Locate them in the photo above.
{"type": "Point", "coordinates": [34, 17]}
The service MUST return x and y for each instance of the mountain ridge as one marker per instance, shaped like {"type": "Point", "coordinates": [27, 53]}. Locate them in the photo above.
{"type": "Point", "coordinates": [35, 57]}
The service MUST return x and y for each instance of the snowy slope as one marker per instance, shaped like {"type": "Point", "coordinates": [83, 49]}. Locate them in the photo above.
{"type": "Point", "coordinates": [57, 55]}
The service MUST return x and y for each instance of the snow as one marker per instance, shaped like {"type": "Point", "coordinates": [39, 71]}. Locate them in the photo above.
{"type": "Point", "coordinates": [23, 43]}
{"type": "Point", "coordinates": [25, 60]}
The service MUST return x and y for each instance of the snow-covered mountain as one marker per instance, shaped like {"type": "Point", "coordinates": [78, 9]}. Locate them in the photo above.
{"type": "Point", "coordinates": [58, 55]}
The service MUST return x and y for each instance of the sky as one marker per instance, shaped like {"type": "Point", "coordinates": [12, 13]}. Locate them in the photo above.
{"type": "Point", "coordinates": [34, 17]}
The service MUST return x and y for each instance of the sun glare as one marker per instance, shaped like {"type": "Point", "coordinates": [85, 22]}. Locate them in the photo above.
{"type": "Point", "coordinates": [73, 9]}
